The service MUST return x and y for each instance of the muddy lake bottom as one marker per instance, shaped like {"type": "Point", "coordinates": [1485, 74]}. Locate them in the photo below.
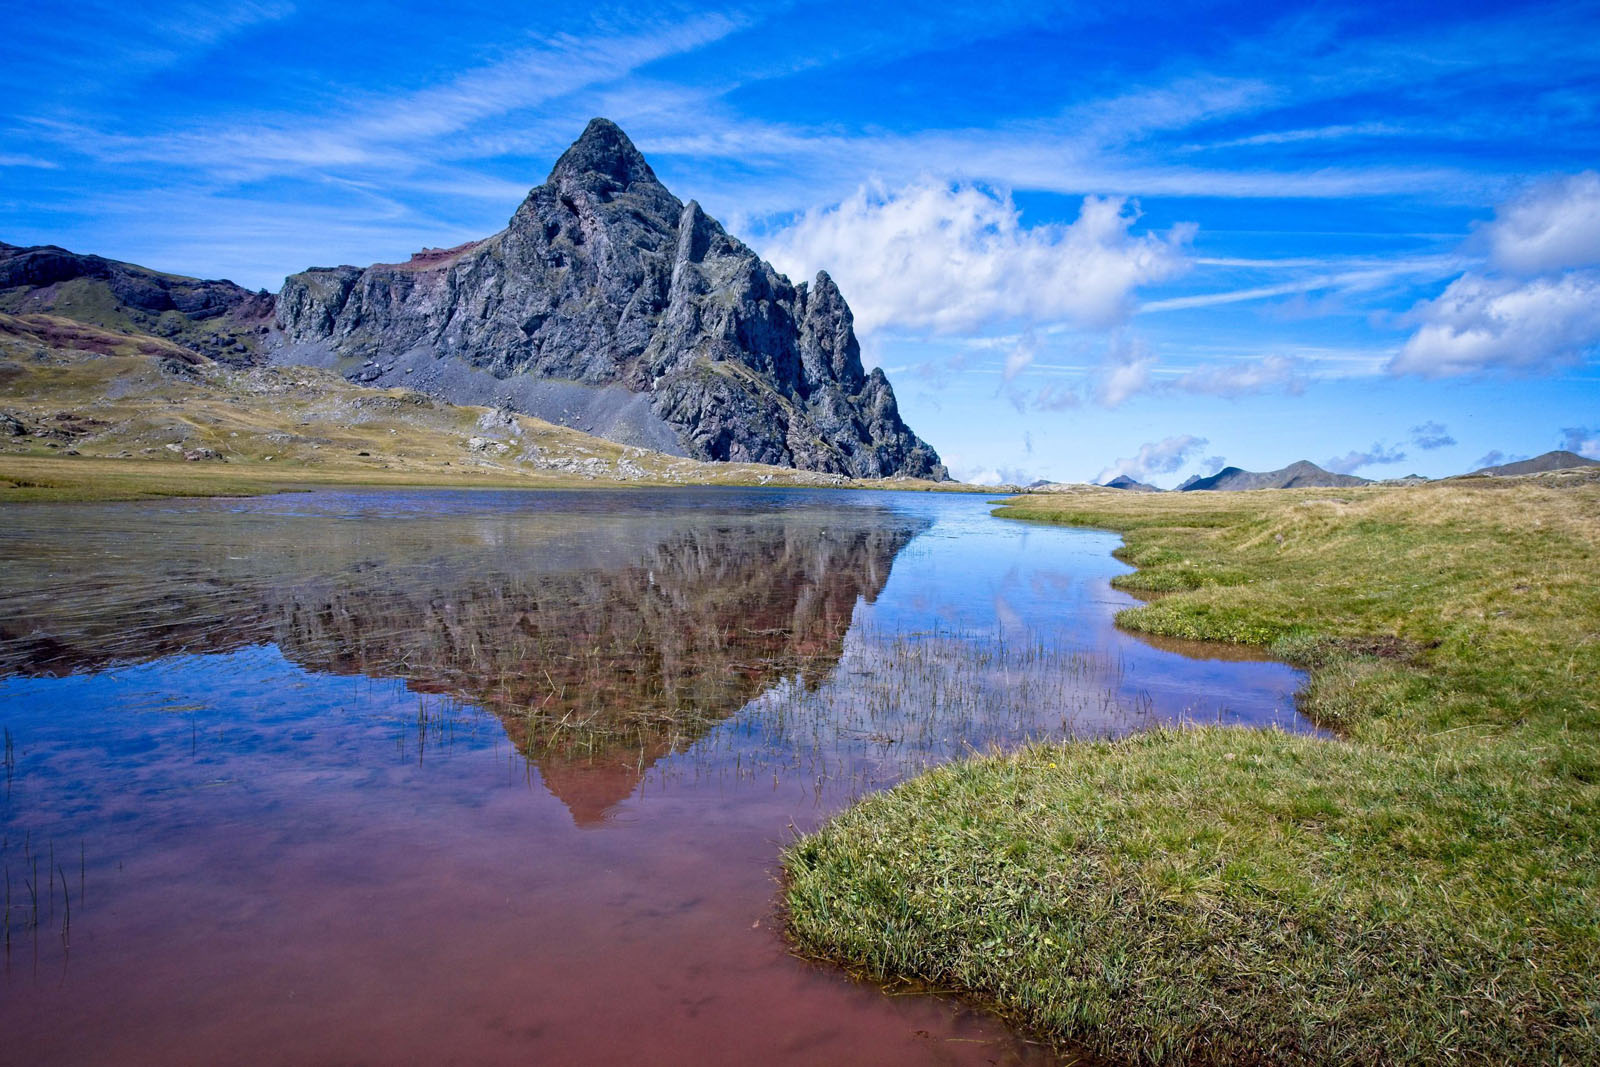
{"type": "Point", "coordinates": [439, 776]}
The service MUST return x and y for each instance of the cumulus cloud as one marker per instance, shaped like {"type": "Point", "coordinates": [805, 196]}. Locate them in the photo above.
{"type": "Point", "coordinates": [1582, 440]}
{"type": "Point", "coordinates": [948, 258]}
{"type": "Point", "coordinates": [1553, 226]}
{"type": "Point", "coordinates": [1537, 308]}
{"type": "Point", "coordinates": [1481, 323]}
{"type": "Point", "coordinates": [992, 475]}
{"type": "Point", "coordinates": [1495, 457]}
{"type": "Point", "coordinates": [1212, 464]}
{"type": "Point", "coordinates": [1351, 462]}
{"type": "Point", "coordinates": [1431, 435]}
{"type": "Point", "coordinates": [1155, 457]}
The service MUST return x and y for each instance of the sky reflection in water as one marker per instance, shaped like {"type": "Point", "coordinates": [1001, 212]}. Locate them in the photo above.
{"type": "Point", "coordinates": [404, 776]}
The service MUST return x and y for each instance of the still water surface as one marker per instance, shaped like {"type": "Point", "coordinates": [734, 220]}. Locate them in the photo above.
{"type": "Point", "coordinates": [442, 776]}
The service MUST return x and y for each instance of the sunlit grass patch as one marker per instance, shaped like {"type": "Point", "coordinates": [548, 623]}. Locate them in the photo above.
{"type": "Point", "coordinates": [1422, 888]}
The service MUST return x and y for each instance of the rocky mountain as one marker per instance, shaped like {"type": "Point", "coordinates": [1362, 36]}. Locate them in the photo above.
{"type": "Point", "coordinates": [1301, 475]}
{"type": "Point", "coordinates": [1550, 461]}
{"type": "Point", "coordinates": [219, 320]}
{"type": "Point", "coordinates": [609, 305]}
{"type": "Point", "coordinates": [1122, 481]}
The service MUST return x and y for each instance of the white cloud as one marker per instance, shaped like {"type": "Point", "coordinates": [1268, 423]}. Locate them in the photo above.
{"type": "Point", "coordinates": [1553, 226]}
{"type": "Point", "coordinates": [1481, 324]}
{"type": "Point", "coordinates": [1582, 440]}
{"type": "Point", "coordinates": [991, 475]}
{"type": "Point", "coordinates": [379, 133]}
{"type": "Point", "coordinates": [1125, 373]}
{"type": "Point", "coordinates": [1155, 457]}
{"type": "Point", "coordinates": [1252, 376]}
{"type": "Point", "coordinates": [1431, 435]}
{"type": "Point", "coordinates": [1019, 357]}
{"type": "Point", "coordinates": [1131, 369]}
{"type": "Point", "coordinates": [1537, 309]}
{"type": "Point", "coordinates": [1316, 133]}
{"type": "Point", "coordinates": [1056, 398]}
{"type": "Point", "coordinates": [1495, 458]}
{"type": "Point", "coordinates": [955, 257]}
{"type": "Point", "coordinates": [28, 161]}
{"type": "Point", "coordinates": [1353, 461]}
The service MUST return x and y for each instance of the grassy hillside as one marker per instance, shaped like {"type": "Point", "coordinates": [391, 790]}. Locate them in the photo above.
{"type": "Point", "coordinates": [97, 413]}
{"type": "Point", "coordinates": [1422, 888]}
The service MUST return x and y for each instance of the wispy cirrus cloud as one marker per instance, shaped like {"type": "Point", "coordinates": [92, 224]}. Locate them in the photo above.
{"type": "Point", "coordinates": [382, 131]}
{"type": "Point", "coordinates": [1131, 368]}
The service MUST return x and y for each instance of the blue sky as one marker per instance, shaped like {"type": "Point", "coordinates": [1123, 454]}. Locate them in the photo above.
{"type": "Point", "coordinates": [1081, 241]}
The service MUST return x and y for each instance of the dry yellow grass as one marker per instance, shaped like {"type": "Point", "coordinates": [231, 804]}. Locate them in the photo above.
{"type": "Point", "coordinates": [115, 421]}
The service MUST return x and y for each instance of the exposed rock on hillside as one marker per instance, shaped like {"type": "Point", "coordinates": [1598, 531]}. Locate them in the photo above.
{"type": "Point", "coordinates": [1301, 475]}
{"type": "Point", "coordinates": [1122, 481]}
{"type": "Point", "coordinates": [609, 305]}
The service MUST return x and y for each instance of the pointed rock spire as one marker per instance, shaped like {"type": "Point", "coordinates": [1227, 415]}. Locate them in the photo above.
{"type": "Point", "coordinates": [604, 152]}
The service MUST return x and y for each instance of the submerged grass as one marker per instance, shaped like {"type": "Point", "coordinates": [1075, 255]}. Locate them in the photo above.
{"type": "Point", "coordinates": [1424, 887]}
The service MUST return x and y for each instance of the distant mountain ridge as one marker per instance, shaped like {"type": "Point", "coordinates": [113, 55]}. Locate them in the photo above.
{"type": "Point", "coordinates": [1557, 460]}
{"type": "Point", "coordinates": [1122, 481]}
{"type": "Point", "coordinates": [609, 305]}
{"type": "Point", "coordinates": [1299, 475]}
{"type": "Point", "coordinates": [213, 319]}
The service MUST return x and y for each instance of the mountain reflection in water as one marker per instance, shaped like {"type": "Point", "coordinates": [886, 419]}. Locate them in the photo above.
{"type": "Point", "coordinates": [600, 644]}
{"type": "Point", "coordinates": [429, 776]}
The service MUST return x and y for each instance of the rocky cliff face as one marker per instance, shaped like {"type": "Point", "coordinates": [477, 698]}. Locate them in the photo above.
{"type": "Point", "coordinates": [609, 305]}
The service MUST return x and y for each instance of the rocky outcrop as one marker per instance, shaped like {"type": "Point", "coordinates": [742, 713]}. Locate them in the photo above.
{"type": "Point", "coordinates": [609, 305]}
{"type": "Point", "coordinates": [1301, 475]}
{"type": "Point", "coordinates": [216, 319]}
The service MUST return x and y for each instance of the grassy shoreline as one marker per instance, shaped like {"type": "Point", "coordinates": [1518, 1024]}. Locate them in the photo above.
{"type": "Point", "coordinates": [1424, 887]}
{"type": "Point", "coordinates": [47, 479]}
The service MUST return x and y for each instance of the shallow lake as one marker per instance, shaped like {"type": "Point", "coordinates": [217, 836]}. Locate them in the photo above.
{"type": "Point", "coordinates": [438, 776]}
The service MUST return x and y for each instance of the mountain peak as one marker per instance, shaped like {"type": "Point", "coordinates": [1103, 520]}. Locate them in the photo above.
{"type": "Point", "coordinates": [603, 150]}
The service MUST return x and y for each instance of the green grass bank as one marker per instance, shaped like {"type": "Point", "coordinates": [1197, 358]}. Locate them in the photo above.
{"type": "Point", "coordinates": [1424, 887]}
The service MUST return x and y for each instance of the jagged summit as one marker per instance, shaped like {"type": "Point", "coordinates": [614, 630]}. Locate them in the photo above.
{"type": "Point", "coordinates": [603, 151]}
{"type": "Point", "coordinates": [609, 305]}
